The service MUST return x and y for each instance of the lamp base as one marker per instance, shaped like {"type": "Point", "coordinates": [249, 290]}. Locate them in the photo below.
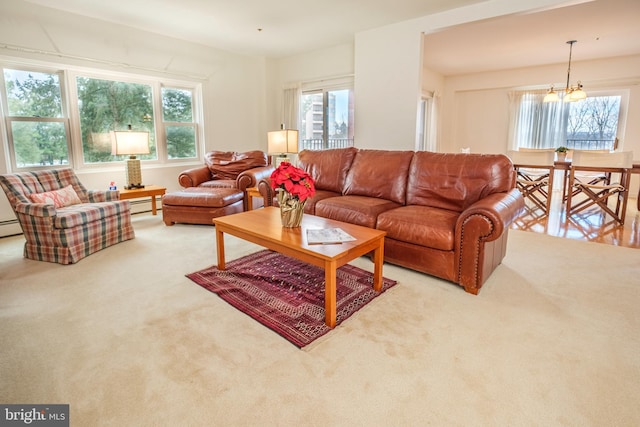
{"type": "Point", "coordinates": [279, 159]}
{"type": "Point", "coordinates": [134, 174]}
{"type": "Point", "coordinates": [133, 186]}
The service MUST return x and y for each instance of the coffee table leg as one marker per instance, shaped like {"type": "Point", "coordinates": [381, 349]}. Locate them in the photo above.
{"type": "Point", "coordinates": [330, 294]}
{"type": "Point", "coordinates": [220, 246]}
{"type": "Point", "coordinates": [378, 260]}
{"type": "Point", "coordinates": [154, 208]}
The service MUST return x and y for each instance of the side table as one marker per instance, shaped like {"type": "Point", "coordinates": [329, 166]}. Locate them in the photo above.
{"type": "Point", "coordinates": [148, 191]}
{"type": "Point", "coordinates": [636, 169]}
{"type": "Point", "coordinates": [251, 193]}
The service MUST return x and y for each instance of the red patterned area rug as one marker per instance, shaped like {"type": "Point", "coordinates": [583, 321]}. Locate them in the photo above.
{"type": "Point", "coordinates": [287, 295]}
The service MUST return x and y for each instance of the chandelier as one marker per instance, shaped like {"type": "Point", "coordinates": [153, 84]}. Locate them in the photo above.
{"type": "Point", "coordinates": [572, 93]}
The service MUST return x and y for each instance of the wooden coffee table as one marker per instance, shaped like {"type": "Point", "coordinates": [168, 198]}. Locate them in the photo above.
{"type": "Point", "coordinates": [263, 227]}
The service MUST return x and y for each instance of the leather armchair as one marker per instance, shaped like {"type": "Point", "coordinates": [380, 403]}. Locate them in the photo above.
{"type": "Point", "coordinates": [229, 169]}
{"type": "Point", "coordinates": [217, 188]}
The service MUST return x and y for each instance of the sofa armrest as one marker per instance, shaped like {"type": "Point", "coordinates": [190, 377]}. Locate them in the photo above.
{"type": "Point", "coordinates": [499, 211]}
{"type": "Point", "coordinates": [485, 221]}
{"type": "Point", "coordinates": [36, 209]}
{"type": "Point", "coordinates": [96, 196]}
{"type": "Point", "coordinates": [194, 177]}
{"type": "Point", "coordinates": [251, 177]}
{"type": "Point", "coordinates": [268, 194]}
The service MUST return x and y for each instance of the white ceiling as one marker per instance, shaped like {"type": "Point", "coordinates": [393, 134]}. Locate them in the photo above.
{"type": "Point", "coordinates": [288, 27]}
{"type": "Point", "coordinates": [603, 28]}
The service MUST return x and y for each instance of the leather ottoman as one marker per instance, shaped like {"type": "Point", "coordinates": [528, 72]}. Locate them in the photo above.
{"type": "Point", "coordinates": [197, 205]}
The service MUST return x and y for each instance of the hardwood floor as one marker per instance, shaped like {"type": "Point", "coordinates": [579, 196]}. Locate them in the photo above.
{"type": "Point", "coordinates": [591, 225]}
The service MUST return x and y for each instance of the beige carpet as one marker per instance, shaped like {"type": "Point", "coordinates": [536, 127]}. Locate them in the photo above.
{"type": "Point", "coordinates": [126, 339]}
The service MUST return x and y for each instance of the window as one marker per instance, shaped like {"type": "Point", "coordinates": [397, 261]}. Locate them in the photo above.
{"type": "Point", "coordinates": [177, 114]}
{"type": "Point", "coordinates": [37, 127]}
{"type": "Point", "coordinates": [108, 105]}
{"type": "Point", "coordinates": [427, 122]}
{"type": "Point", "coordinates": [326, 119]}
{"type": "Point", "coordinates": [41, 132]}
{"type": "Point", "coordinates": [591, 124]}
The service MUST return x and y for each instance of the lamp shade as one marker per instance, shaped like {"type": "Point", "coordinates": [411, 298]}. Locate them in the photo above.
{"type": "Point", "coordinates": [129, 142]}
{"type": "Point", "coordinates": [282, 141]}
{"type": "Point", "coordinates": [552, 96]}
{"type": "Point", "coordinates": [578, 95]}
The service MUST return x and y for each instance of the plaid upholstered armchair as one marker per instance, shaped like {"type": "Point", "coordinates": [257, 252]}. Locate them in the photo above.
{"type": "Point", "coordinates": [62, 221]}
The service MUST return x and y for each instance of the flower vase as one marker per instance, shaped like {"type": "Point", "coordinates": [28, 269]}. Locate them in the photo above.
{"type": "Point", "coordinates": [291, 209]}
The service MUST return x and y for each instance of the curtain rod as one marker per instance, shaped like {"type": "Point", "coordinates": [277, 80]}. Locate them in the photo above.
{"type": "Point", "coordinates": [100, 61]}
{"type": "Point", "coordinates": [324, 79]}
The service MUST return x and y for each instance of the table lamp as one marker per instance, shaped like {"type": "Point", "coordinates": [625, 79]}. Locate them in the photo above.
{"type": "Point", "coordinates": [282, 142]}
{"type": "Point", "coordinates": [131, 143]}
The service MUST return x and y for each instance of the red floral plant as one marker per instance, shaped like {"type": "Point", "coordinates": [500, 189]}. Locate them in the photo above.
{"type": "Point", "coordinates": [293, 180]}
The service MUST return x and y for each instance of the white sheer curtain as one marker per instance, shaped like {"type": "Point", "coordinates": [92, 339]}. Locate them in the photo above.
{"type": "Point", "coordinates": [291, 106]}
{"type": "Point", "coordinates": [433, 131]}
{"type": "Point", "coordinates": [428, 122]}
{"type": "Point", "coordinates": [535, 124]}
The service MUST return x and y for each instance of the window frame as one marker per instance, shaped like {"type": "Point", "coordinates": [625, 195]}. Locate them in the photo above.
{"type": "Point", "coordinates": [324, 87]}
{"type": "Point", "coordinates": [623, 93]}
{"type": "Point", "coordinates": [622, 113]}
{"type": "Point", "coordinates": [193, 123]}
{"type": "Point", "coordinates": [7, 121]}
{"type": "Point", "coordinates": [71, 116]}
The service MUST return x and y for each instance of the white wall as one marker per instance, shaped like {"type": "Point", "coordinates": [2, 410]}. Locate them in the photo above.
{"type": "Point", "coordinates": [476, 109]}
{"type": "Point", "coordinates": [311, 66]}
{"type": "Point", "coordinates": [389, 73]}
{"type": "Point", "coordinates": [479, 122]}
{"type": "Point", "coordinates": [387, 88]}
{"type": "Point", "coordinates": [233, 86]}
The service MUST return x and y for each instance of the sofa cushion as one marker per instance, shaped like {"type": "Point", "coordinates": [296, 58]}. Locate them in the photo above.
{"type": "Point", "coordinates": [358, 210]}
{"type": "Point", "coordinates": [455, 181]}
{"type": "Point", "coordinates": [379, 173]}
{"type": "Point", "coordinates": [229, 164]}
{"type": "Point", "coordinates": [84, 213]}
{"type": "Point", "coordinates": [59, 198]}
{"type": "Point", "coordinates": [328, 168]}
{"type": "Point", "coordinates": [203, 197]}
{"type": "Point", "coordinates": [310, 205]}
{"type": "Point", "coordinates": [219, 183]}
{"type": "Point", "coordinates": [408, 224]}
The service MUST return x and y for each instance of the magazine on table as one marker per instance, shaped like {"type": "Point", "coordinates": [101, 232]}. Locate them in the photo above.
{"type": "Point", "coordinates": [328, 236]}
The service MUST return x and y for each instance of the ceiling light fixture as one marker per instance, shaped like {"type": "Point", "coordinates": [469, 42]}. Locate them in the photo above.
{"type": "Point", "coordinates": [572, 93]}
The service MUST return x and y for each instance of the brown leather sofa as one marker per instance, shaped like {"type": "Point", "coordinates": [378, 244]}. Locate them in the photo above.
{"type": "Point", "coordinates": [445, 214]}
{"type": "Point", "coordinates": [216, 189]}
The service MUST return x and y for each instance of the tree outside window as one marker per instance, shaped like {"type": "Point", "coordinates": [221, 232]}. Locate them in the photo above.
{"type": "Point", "coordinates": [38, 128]}
{"type": "Point", "coordinates": [108, 105]}
{"type": "Point", "coordinates": [590, 124]}
{"type": "Point", "coordinates": [593, 123]}
{"type": "Point", "coordinates": [177, 114]}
